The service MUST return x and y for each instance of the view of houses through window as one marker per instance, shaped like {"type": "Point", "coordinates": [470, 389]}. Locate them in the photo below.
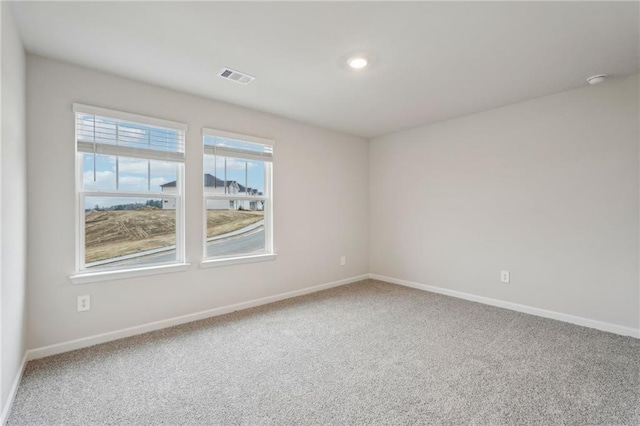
{"type": "Point", "coordinates": [130, 190]}
{"type": "Point", "coordinates": [236, 195]}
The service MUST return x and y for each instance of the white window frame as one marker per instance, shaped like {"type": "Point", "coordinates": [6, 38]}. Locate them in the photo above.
{"type": "Point", "coordinates": [267, 197]}
{"type": "Point", "coordinates": [85, 275]}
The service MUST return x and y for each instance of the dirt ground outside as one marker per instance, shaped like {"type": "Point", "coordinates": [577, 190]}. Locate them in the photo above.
{"type": "Point", "coordinates": [110, 234]}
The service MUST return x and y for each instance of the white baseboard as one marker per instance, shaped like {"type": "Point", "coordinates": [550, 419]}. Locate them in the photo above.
{"type": "Point", "coordinates": [6, 411]}
{"type": "Point", "coordinates": [585, 322]}
{"type": "Point", "coordinates": [84, 342]}
{"type": "Point", "coordinates": [157, 325]}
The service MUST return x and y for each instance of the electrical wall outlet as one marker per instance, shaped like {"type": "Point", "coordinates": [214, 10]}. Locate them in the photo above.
{"type": "Point", "coordinates": [84, 303]}
{"type": "Point", "coordinates": [504, 276]}
{"type": "Point", "coordinates": [343, 261]}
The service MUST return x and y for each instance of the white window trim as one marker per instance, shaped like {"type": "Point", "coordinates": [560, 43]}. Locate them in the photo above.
{"type": "Point", "coordinates": [226, 261]}
{"type": "Point", "coordinates": [121, 274]}
{"type": "Point", "coordinates": [269, 253]}
{"type": "Point", "coordinates": [83, 275]}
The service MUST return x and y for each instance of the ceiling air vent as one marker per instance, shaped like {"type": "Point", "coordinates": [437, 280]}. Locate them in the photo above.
{"type": "Point", "coordinates": [236, 76]}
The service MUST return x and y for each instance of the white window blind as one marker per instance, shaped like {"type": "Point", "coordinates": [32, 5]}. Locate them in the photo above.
{"type": "Point", "coordinates": [226, 144]}
{"type": "Point", "coordinates": [108, 132]}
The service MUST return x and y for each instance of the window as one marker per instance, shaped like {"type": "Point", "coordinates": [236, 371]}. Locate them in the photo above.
{"type": "Point", "coordinates": [237, 196]}
{"type": "Point", "coordinates": [129, 190]}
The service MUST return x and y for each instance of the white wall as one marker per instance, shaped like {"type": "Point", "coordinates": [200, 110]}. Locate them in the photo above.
{"type": "Point", "coordinates": [547, 189]}
{"type": "Point", "coordinates": [13, 201]}
{"type": "Point", "coordinates": [321, 191]}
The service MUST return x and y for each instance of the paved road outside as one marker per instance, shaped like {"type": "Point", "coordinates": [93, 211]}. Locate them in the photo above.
{"type": "Point", "coordinates": [244, 244]}
{"type": "Point", "coordinates": [247, 243]}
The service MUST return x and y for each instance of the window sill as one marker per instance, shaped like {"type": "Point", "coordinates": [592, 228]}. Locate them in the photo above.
{"type": "Point", "coordinates": [91, 277]}
{"type": "Point", "coordinates": [214, 263]}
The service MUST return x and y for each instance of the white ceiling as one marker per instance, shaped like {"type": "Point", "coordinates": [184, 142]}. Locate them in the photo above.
{"type": "Point", "coordinates": [430, 61]}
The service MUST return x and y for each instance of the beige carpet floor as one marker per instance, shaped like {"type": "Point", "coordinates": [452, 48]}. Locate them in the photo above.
{"type": "Point", "coordinates": [366, 353]}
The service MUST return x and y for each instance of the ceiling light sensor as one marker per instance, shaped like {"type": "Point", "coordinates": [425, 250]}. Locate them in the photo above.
{"type": "Point", "coordinates": [237, 76]}
{"type": "Point", "coordinates": [596, 79]}
{"type": "Point", "coordinates": [358, 62]}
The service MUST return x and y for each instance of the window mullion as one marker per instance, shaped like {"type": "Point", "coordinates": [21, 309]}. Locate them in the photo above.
{"type": "Point", "coordinates": [94, 148]}
{"type": "Point", "coordinates": [81, 234]}
{"type": "Point", "coordinates": [125, 194]}
{"type": "Point", "coordinates": [232, 198]}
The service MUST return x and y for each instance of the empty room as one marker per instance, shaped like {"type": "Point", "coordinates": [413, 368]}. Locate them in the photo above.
{"type": "Point", "coordinates": [320, 213]}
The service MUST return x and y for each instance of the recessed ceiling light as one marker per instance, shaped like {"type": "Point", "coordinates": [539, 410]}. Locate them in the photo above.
{"type": "Point", "coordinates": [596, 79]}
{"type": "Point", "coordinates": [358, 62]}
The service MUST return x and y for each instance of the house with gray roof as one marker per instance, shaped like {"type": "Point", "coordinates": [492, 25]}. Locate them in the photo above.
{"type": "Point", "coordinates": [216, 186]}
